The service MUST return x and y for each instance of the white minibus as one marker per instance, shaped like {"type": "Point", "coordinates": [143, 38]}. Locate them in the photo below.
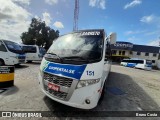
{"type": "Point", "coordinates": [137, 63]}
{"type": "Point", "coordinates": [73, 71]}
{"type": "Point", "coordinates": [33, 52]}
{"type": "Point", "coordinates": [11, 53]}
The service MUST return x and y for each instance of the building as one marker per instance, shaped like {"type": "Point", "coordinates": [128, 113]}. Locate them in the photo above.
{"type": "Point", "coordinates": [121, 50]}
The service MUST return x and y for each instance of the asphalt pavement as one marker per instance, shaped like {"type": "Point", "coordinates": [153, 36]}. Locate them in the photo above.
{"type": "Point", "coordinates": [127, 89]}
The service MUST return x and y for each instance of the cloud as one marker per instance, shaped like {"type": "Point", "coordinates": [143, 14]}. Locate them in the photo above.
{"type": "Point", "coordinates": [51, 2]}
{"type": "Point", "coordinates": [13, 20]}
{"type": "Point", "coordinates": [133, 38]}
{"type": "Point", "coordinates": [13, 31]}
{"type": "Point", "coordinates": [98, 3]}
{"type": "Point", "coordinates": [58, 24]}
{"type": "Point", "coordinates": [47, 18]}
{"type": "Point", "coordinates": [132, 4]}
{"type": "Point", "coordinates": [154, 43]}
{"type": "Point", "coordinates": [10, 10]}
{"type": "Point", "coordinates": [130, 32]}
{"type": "Point", "coordinates": [25, 2]}
{"type": "Point", "coordinates": [147, 19]}
{"type": "Point", "coordinates": [157, 32]}
{"type": "Point", "coordinates": [150, 19]}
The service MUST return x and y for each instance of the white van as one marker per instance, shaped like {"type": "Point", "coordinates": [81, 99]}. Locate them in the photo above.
{"type": "Point", "coordinates": [73, 71]}
{"type": "Point", "coordinates": [11, 53]}
{"type": "Point", "coordinates": [33, 52]}
{"type": "Point", "coordinates": [144, 64]}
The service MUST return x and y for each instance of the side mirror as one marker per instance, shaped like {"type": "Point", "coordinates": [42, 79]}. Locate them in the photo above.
{"type": "Point", "coordinates": [112, 38]}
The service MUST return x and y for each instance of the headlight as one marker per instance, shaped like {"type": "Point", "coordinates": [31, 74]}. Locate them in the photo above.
{"type": "Point", "coordinates": [83, 83]}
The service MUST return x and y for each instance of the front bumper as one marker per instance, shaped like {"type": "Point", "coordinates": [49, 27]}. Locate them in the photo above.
{"type": "Point", "coordinates": [21, 60]}
{"type": "Point", "coordinates": [79, 96]}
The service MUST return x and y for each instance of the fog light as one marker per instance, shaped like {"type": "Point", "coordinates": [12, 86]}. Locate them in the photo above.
{"type": "Point", "coordinates": [87, 101]}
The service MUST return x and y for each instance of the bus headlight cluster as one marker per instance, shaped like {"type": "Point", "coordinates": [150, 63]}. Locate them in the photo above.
{"type": "Point", "coordinates": [83, 83]}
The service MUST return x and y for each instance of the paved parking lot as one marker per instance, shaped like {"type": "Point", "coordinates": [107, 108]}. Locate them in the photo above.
{"type": "Point", "coordinates": [127, 89]}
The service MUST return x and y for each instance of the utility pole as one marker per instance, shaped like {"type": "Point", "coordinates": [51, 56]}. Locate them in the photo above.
{"type": "Point", "coordinates": [76, 14]}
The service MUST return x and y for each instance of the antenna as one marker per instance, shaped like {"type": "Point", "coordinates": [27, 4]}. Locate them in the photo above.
{"type": "Point", "coordinates": [76, 14]}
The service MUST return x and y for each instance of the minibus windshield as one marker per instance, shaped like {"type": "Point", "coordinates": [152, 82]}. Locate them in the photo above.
{"type": "Point", "coordinates": [13, 47]}
{"type": "Point", "coordinates": [42, 50]}
{"type": "Point", "coordinates": [77, 47]}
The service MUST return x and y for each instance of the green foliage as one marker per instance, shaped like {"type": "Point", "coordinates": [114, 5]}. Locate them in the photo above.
{"type": "Point", "coordinates": [39, 34]}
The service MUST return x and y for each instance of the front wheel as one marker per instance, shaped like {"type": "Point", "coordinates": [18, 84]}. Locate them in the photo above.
{"type": "Point", "coordinates": [1, 62]}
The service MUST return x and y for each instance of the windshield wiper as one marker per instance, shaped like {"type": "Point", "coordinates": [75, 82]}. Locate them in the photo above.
{"type": "Point", "coordinates": [76, 58]}
{"type": "Point", "coordinates": [53, 56]}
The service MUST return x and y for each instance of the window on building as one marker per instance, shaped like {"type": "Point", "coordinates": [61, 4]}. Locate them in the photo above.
{"type": "Point", "coordinates": [147, 54]}
{"type": "Point", "coordinates": [154, 55]}
{"type": "Point", "coordinates": [114, 52]}
{"type": "Point", "coordinates": [153, 61]}
{"type": "Point", "coordinates": [138, 53]}
{"type": "Point", "coordinates": [131, 52]}
{"type": "Point", "coordinates": [120, 52]}
{"type": "Point", "coordinates": [123, 53]}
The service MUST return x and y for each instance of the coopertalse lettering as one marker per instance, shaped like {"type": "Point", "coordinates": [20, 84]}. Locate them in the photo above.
{"type": "Point", "coordinates": [123, 45]}
{"type": "Point", "coordinates": [62, 69]}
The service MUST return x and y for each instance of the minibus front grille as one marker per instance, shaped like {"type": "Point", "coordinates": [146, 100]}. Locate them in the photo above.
{"type": "Point", "coordinates": [62, 81]}
{"type": "Point", "coordinates": [21, 57]}
{"type": "Point", "coordinates": [21, 61]}
{"type": "Point", "coordinates": [58, 94]}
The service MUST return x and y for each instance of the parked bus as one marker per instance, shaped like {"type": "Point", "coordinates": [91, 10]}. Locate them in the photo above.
{"type": "Point", "coordinates": [137, 63]}
{"type": "Point", "coordinates": [33, 52]}
{"type": "Point", "coordinates": [73, 71]}
{"type": "Point", "coordinates": [11, 53]}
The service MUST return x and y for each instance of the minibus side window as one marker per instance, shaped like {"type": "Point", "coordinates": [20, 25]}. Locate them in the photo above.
{"type": "Point", "coordinates": [2, 47]}
{"type": "Point", "coordinates": [29, 49]}
{"type": "Point", "coordinates": [125, 60]}
{"type": "Point", "coordinates": [141, 62]}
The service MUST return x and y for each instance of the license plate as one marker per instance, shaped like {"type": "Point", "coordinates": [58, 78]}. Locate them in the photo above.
{"type": "Point", "coordinates": [53, 87]}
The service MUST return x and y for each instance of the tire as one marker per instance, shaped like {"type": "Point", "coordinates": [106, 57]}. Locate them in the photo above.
{"type": "Point", "coordinates": [29, 61]}
{"type": "Point", "coordinates": [1, 62]}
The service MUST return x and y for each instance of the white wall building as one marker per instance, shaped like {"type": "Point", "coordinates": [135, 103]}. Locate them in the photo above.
{"type": "Point", "coordinates": [122, 50]}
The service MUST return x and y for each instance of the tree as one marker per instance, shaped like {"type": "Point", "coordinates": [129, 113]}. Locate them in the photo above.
{"type": "Point", "coordinates": [39, 34]}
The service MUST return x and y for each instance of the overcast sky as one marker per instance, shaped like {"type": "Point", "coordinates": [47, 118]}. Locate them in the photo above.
{"type": "Point", "coordinates": [136, 21]}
